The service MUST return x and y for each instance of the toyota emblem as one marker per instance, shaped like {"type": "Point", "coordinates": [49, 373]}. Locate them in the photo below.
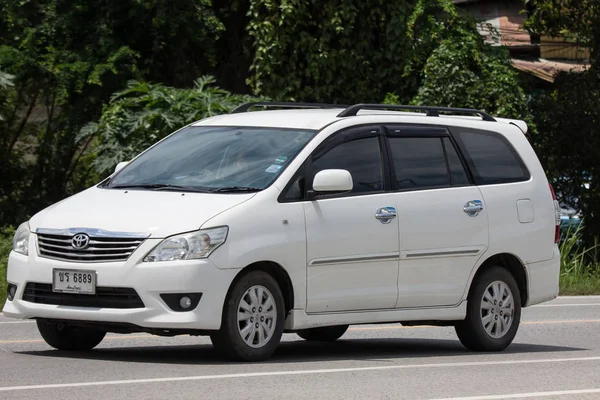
{"type": "Point", "coordinates": [80, 241]}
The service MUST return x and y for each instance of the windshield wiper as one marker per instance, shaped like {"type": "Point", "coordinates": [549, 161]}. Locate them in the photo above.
{"type": "Point", "coordinates": [159, 186]}
{"type": "Point", "coordinates": [234, 189]}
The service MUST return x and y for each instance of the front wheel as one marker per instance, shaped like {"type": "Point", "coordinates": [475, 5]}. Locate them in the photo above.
{"type": "Point", "coordinates": [66, 337]}
{"type": "Point", "coordinates": [493, 312]}
{"type": "Point", "coordinates": [324, 334]}
{"type": "Point", "coordinates": [253, 319]}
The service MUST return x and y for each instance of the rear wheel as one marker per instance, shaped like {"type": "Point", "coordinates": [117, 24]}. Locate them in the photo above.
{"type": "Point", "coordinates": [493, 312]}
{"type": "Point", "coordinates": [66, 337]}
{"type": "Point", "coordinates": [324, 334]}
{"type": "Point", "coordinates": [253, 319]}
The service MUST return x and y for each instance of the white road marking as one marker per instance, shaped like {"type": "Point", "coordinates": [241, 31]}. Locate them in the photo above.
{"type": "Point", "coordinates": [526, 395]}
{"type": "Point", "coordinates": [17, 322]}
{"type": "Point", "coordinates": [297, 372]}
{"type": "Point", "coordinates": [567, 305]}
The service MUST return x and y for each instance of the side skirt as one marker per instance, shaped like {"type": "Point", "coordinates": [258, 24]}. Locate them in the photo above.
{"type": "Point", "coordinates": [299, 319]}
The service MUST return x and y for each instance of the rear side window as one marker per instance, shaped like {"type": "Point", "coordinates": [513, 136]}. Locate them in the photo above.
{"type": "Point", "coordinates": [492, 158]}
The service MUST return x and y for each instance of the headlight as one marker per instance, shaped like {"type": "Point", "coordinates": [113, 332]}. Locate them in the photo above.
{"type": "Point", "coordinates": [21, 239]}
{"type": "Point", "coordinates": [189, 246]}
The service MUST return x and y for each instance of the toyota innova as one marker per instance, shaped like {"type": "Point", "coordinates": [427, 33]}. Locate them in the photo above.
{"type": "Point", "coordinates": [299, 218]}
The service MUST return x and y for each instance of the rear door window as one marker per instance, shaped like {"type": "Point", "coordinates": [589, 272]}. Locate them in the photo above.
{"type": "Point", "coordinates": [419, 162]}
{"type": "Point", "coordinates": [427, 160]}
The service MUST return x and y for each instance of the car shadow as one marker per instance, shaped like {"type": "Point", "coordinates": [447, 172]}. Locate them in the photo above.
{"type": "Point", "coordinates": [299, 351]}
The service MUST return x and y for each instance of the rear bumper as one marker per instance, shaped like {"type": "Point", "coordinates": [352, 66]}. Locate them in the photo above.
{"type": "Point", "coordinates": [543, 279]}
{"type": "Point", "coordinates": [149, 280]}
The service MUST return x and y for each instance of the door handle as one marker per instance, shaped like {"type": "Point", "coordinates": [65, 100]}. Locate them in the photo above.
{"type": "Point", "coordinates": [473, 207]}
{"type": "Point", "coordinates": [385, 215]}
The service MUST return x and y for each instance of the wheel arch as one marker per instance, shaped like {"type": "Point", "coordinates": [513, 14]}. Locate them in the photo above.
{"type": "Point", "coordinates": [512, 264]}
{"type": "Point", "coordinates": [280, 275]}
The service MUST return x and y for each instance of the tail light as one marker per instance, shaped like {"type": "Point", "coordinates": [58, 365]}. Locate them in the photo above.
{"type": "Point", "coordinates": [556, 215]}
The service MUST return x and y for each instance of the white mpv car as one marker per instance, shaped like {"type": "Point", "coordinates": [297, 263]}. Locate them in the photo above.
{"type": "Point", "coordinates": [307, 220]}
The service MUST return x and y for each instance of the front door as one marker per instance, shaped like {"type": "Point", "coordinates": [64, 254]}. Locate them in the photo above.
{"type": "Point", "coordinates": [352, 239]}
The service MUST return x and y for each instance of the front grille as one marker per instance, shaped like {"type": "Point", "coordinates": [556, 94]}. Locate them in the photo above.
{"type": "Point", "coordinates": [100, 249]}
{"type": "Point", "coordinates": [105, 297]}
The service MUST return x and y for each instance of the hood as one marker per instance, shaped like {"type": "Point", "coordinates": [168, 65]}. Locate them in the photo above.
{"type": "Point", "coordinates": [159, 213]}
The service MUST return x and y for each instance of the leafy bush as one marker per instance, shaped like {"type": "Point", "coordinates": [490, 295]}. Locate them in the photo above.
{"type": "Point", "coordinates": [144, 113]}
{"type": "Point", "coordinates": [6, 236]}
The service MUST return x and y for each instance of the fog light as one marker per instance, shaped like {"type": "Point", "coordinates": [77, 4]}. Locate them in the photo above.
{"type": "Point", "coordinates": [181, 302]}
{"type": "Point", "coordinates": [11, 292]}
{"type": "Point", "coordinates": [185, 302]}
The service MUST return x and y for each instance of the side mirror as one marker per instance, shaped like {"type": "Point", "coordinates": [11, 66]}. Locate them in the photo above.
{"type": "Point", "coordinates": [331, 181]}
{"type": "Point", "coordinates": [120, 166]}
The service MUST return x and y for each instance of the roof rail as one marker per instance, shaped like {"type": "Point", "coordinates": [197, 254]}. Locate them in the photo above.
{"type": "Point", "coordinates": [283, 104]}
{"type": "Point", "coordinates": [430, 111]}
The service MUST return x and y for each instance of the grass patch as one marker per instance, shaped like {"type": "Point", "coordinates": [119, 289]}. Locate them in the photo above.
{"type": "Point", "coordinates": [6, 236]}
{"type": "Point", "coordinates": [579, 266]}
{"type": "Point", "coordinates": [579, 285]}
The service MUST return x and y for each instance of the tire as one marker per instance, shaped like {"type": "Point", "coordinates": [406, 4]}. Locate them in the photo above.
{"type": "Point", "coordinates": [324, 334]}
{"type": "Point", "coordinates": [66, 337]}
{"type": "Point", "coordinates": [482, 313]}
{"type": "Point", "coordinates": [243, 340]}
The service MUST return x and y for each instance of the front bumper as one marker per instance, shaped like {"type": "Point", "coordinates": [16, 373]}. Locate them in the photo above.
{"type": "Point", "coordinates": [149, 280]}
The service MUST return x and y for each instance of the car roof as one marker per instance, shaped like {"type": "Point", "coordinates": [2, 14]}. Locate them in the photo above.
{"type": "Point", "coordinates": [317, 119]}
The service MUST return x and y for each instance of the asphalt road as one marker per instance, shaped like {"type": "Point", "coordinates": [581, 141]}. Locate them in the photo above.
{"type": "Point", "coordinates": [556, 355]}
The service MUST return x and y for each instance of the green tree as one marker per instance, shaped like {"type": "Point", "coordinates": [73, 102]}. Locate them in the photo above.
{"type": "Point", "coordinates": [579, 19]}
{"type": "Point", "coordinates": [459, 69]}
{"type": "Point", "coordinates": [568, 119]}
{"type": "Point", "coordinates": [67, 58]}
{"type": "Point", "coordinates": [61, 74]}
{"type": "Point", "coordinates": [568, 116]}
{"type": "Point", "coordinates": [337, 51]}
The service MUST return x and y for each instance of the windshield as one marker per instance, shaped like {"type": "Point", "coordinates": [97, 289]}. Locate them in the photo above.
{"type": "Point", "coordinates": [201, 158]}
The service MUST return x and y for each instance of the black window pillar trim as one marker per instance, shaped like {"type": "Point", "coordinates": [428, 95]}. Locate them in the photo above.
{"type": "Point", "coordinates": [462, 158]}
{"type": "Point", "coordinates": [448, 171]}
{"type": "Point", "coordinates": [386, 160]}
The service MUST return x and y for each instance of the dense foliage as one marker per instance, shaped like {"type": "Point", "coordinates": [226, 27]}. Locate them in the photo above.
{"type": "Point", "coordinates": [568, 119]}
{"type": "Point", "coordinates": [335, 51]}
{"type": "Point", "coordinates": [84, 85]}
{"type": "Point", "coordinates": [568, 115]}
{"type": "Point", "coordinates": [458, 68]}
{"type": "Point", "coordinates": [577, 19]}
{"type": "Point", "coordinates": [67, 58]}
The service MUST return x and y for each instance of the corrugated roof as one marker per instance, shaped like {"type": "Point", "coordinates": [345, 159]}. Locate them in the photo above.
{"type": "Point", "coordinates": [548, 69]}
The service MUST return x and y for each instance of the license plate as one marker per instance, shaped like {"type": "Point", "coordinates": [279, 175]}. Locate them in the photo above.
{"type": "Point", "coordinates": [74, 281]}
